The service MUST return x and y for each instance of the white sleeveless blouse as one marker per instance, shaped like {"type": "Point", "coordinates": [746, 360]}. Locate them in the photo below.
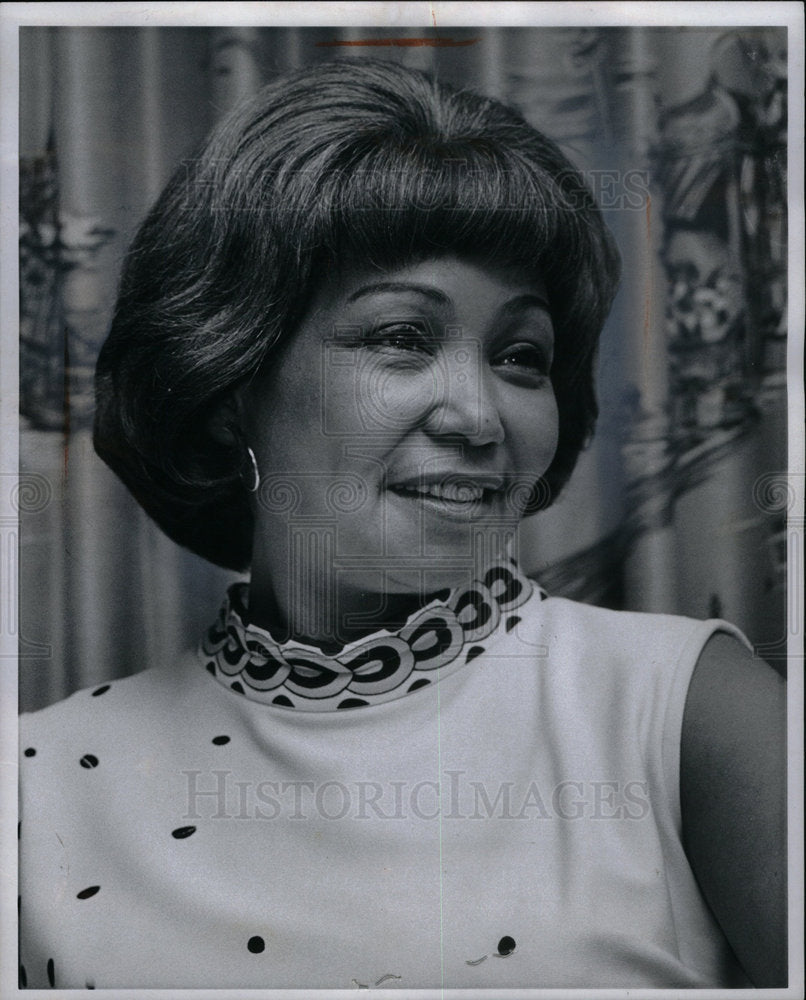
{"type": "Point", "coordinates": [494, 810]}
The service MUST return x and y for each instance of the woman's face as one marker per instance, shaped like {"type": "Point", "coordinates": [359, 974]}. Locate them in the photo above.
{"type": "Point", "coordinates": [400, 430]}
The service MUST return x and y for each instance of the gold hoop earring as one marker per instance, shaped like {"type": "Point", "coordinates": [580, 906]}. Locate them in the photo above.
{"type": "Point", "coordinates": [254, 486]}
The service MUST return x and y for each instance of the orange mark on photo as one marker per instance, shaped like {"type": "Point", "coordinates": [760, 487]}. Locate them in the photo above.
{"type": "Point", "coordinates": [434, 43]}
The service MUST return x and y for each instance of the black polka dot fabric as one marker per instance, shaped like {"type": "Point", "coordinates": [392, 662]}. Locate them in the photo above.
{"type": "Point", "coordinates": [163, 860]}
{"type": "Point", "coordinates": [506, 945]}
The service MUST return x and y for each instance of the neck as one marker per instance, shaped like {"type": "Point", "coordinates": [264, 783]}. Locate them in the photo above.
{"type": "Point", "coordinates": [329, 616]}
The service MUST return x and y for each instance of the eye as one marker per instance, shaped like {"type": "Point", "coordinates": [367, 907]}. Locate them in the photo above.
{"type": "Point", "coordinates": [524, 357]}
{"type": "Point", "coordinates": [401, 336]}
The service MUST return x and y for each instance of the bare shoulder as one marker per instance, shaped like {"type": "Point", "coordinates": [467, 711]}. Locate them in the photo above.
{"type": "Point", "coordinates": [733, 797]}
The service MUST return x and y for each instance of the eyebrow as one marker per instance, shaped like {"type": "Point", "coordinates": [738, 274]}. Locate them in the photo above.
{"type": "Point", "coordinates": [400, 286]}
{"type": "Point", "coordinates": [527, 301]}
{"type": "Point", "coordinates": [519, 302]}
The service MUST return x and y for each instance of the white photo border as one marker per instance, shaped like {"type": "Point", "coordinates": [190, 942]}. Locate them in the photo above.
{"type": "Point", "coordinates": [386, 15]}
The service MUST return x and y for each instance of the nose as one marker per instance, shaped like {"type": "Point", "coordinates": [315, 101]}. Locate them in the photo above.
{"type": "Point", "coordinates": [465, 401]}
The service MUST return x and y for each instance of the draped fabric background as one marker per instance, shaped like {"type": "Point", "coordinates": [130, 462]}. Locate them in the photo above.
{"type": "Point", "coordinates": [679, 505]}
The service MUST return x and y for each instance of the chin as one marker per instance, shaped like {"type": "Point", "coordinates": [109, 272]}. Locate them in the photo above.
{"type": "Point", "coordinates": [442, 572]}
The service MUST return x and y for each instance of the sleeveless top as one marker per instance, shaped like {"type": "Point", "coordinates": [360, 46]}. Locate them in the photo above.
{"type": "Point", "coordinates": [487, 798]}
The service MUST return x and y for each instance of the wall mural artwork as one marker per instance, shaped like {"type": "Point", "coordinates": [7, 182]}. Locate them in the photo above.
{"type": "Point", "coordinates": [722, 160]}
{"type": "Point", "coordinates": [722, 167]}
{"type": "Point", "coordinates": [717, 165]}
{"type": "Point", "coordinates": [58, 253]}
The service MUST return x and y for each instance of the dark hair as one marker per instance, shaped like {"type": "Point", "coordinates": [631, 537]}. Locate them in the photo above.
{"type": "Point", "coordinates": [362, 161]}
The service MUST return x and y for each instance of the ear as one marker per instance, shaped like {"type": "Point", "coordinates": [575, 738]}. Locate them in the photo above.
{"type": "Point", "coordinates": [224, 422]}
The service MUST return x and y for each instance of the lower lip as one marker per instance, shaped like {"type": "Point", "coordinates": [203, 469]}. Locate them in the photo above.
{"type": "Point", "coordinates": [462, 510]}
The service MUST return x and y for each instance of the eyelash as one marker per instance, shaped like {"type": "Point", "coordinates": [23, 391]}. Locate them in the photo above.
{"type": "Point", "coordinates": [414, 338]}
{"type": "Point", "coordinates": [401, 336]}
{"type": "Point", "coordinates": [538, 360]}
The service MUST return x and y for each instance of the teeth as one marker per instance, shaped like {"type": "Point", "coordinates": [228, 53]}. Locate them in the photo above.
{"type": "Point", "coordinates": [463, 493]}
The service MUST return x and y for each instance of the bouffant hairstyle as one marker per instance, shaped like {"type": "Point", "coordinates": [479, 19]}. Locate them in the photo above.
{"type": "Point", "coordinates": [356, 161]}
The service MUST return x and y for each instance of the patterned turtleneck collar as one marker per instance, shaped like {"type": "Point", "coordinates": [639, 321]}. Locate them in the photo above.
{"type": "Point", "coordinates": [434, 641]}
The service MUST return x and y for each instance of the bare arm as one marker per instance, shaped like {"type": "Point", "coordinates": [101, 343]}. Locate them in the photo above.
{"type": "Point", "coordinates": [733, 794]}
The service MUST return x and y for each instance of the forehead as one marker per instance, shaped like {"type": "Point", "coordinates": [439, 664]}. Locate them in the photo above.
{"type": "Point", "coordinates": [442, 280]}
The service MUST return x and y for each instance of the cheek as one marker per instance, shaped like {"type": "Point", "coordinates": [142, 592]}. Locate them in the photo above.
{"type": "Point", "coordinates": [287, 437]}
{"type": "Point", "coordinates": [554, 421]}
{"type": "Point", "coordinates": [365, 395]}
{"type": "Point", "coordinates": [536, 432]}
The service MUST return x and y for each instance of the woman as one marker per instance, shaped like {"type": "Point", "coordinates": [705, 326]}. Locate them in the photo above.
{"type": "Point", "coordinates": [353, 349]}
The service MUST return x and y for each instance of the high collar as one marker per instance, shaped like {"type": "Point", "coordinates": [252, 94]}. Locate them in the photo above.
{"type": "Point", "coordinates": [434, 641]}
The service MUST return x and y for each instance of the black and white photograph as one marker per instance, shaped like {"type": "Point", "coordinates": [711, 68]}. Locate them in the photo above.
{"type": "Point", "coordinates": [402, 499]}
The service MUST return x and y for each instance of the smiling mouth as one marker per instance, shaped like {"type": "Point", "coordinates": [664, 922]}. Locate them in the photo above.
{"type": "Point", "coordinates": [449, 497]}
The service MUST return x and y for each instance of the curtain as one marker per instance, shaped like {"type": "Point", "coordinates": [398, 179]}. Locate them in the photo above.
{"type": "Point", "coordinates": [680, 503]}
